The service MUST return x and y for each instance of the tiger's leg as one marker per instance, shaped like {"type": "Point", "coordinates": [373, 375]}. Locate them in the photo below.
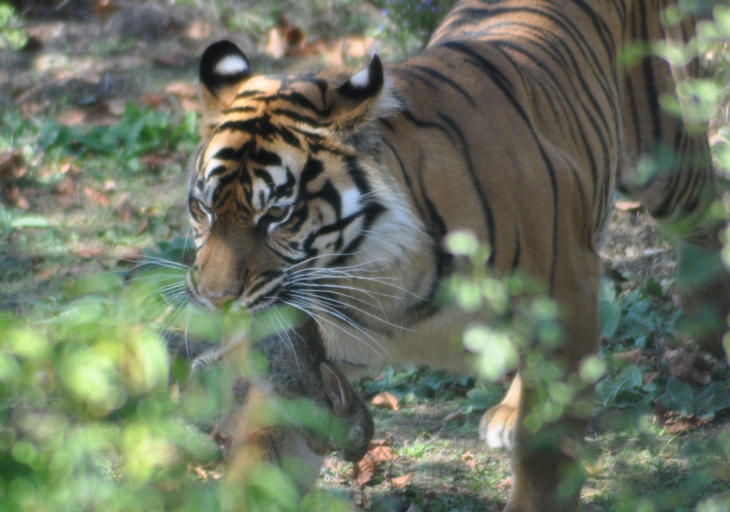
{"type": "Point", "coordinates": [546, 471]}
{"type": "Point", "coordinates": [496, 427]}
{"type": "Point", "coordinates": [669, 170]}
{"type": "Point", "coordinates": [682, 196]}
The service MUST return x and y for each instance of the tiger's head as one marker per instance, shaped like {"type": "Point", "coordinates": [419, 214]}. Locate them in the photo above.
{"type": "Point", "coordinates": [285, 178]}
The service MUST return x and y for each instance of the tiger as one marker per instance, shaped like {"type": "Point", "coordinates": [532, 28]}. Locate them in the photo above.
{"type": "Point", "coordinates": [332, 192]}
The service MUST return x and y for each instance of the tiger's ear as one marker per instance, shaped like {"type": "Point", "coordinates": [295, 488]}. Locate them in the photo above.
{"type": "Point", "coordinates": [223, 68]}
{"type": "Point", "coordinates": [366, 84]}
{"type": "Point", "coordinates": [365, 96]}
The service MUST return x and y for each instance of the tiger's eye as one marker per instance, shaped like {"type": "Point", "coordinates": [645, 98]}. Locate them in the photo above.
{"type": "Point", "coordinates": [277, 212]}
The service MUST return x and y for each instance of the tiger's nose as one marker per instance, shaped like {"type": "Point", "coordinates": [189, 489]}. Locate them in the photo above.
{"type": "Point", "coordinates": [221, 302]}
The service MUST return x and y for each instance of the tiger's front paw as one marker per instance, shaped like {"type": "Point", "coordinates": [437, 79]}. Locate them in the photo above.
{"type": "Point", "coordinates": [497, 426]}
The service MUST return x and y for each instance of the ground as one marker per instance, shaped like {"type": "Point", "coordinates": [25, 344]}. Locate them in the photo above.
{"type": "Point", "coordinates": [79, 202]}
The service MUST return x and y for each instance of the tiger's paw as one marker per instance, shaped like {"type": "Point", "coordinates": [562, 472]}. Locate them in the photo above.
{"type": "Point", "coordinates": [497, 426]}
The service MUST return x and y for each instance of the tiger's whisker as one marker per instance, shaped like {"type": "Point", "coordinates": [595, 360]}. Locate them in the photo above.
{"type": "Point", "coordinates": [339, 302]}
{"type": "Point", "coordinates": [304, 309]}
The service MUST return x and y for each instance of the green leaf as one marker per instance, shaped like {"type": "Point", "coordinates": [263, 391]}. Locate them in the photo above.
{"type": "Point", "coordinates": [654, 289]}
{"type": "Point", "coordinates": [607, 291]}
{"type": "Point", "coordinates": [609, 313]}
{"type": "Point", "coordinates": [680, 395]}
{"type": "Point", "coordinates": [631, 377]}
{"type": "Point", "coordinates": [30, 221]}
{"type": "Point", "coordinates": [714, 398]}
{"type": "Point", "coordinates": [480, 398]}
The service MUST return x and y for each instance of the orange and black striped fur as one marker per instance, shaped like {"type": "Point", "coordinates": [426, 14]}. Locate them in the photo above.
{"type": "Point", "coordinates": [332, 192]}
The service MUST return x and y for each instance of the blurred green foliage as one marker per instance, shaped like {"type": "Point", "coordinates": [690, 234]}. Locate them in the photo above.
{"type": "Point", "coordinates": [409, 23]}
{"type": "Point", "coordinates": [12, 35]}
{"type": "Point", "coordinates": [140, 131]}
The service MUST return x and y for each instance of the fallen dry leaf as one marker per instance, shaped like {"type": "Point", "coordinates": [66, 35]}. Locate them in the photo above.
{"type": "Point", "coordinates": [672, 422]}
{"type": "Point", "coordinates": [124, 208]}
{"type": "Point", "coordinates": [334, 464]}
{"type": "Point", "coordinates": [69, 168]}
{"type": "Point", "coordinates": [104, 9]}
{"type": "Point", "coordinates": [630, 356]}
{"type": "Point", "coordinates": [189, 105]}
{"type": "Point", "coordinates": [452, 415]}
{"type": "Point", "coordinates": [444, 488]}
{"type": "Point", "coordinates": [87, 252]}
{"type": "Point", "coordinates": [682, 424]}
{"type": "Point", "coordinates": [100, 115]}
{"type": "Point", "coordinates": [182, 90]}
{"type": "Point", "coordinates": [153, 100]}
{"type": "Point", "coordinates": [627, 206]}
{"type": "Point", "coordinates": [97, 196]}
{"type": "Point", "coordinates": [469, 459]}
{"type": "Point", "coordinates": [72, 117]}
{"type": "Point", "coordinates": [385, 399]}
{"type": "Point", "coordinates": [381, 454]}
{"type": "Point", "coordinates": [594, 469]}
{"type": "Point", "coordinates": [198, 30]}
{"type": "Point", "coordinates": [650, 377]}
{"type": "Point", "coordinates": [378, 442]}
{"type": "Point", "coordinates": [12, 165]}
{"type": "Point", "coordinates": [378, 451]}
{"type": "Point", "coordinates": [275, 45]}
{"type": "Point", "coordinates": [364, 470]}
{"type": "Point", "coordinates": [158, 161]}
{"type": "Point", "coordinates": [48, 273]}
{"type": "Point", "coordinates": [505, 483]}
{"type": "Point", "coordinates": [131, 257]}
{"type": "Point", "coordinates": [144, 225]}
{"type": "Point", "coordinates": [400, 481]}
{"type": "Point", "coordinates": [688, 366]}
{"type": "Point", "coordinates": [173, 59]}
{"type": "Point", "coordinates": [67, 188]}
{"type": "Point", "coordinates": [18, 199]}
{"type": "Point", "coordinates": [201, 472]}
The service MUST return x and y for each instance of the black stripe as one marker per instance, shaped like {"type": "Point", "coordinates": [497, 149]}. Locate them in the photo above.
{"type": "Point", "coordinates": [486, 208]}
{"type": "Point", "coordinates": [503, 84]}
{"type": "Point", "coordinates": [233, 154]}
{"type": "Point", "coordinates": [357, 175]}
{"type": "Point", "coordinates": [406, 177]}
{"type": "Point", "coordinates": [296, 116]}
{"type": "Point", "coordinates": [518, 250]}
{"type": "Point", "coordinates": [266, 158]}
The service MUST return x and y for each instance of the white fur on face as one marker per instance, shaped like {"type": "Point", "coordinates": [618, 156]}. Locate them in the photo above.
{"type": "Point", "coordinates": [350, 202]}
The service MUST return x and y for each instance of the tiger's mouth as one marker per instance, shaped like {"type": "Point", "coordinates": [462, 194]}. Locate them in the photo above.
{"type": "Point", "coordinates": [258, 294]}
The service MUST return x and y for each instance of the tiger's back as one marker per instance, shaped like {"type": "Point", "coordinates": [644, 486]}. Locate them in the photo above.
{"type": "Point", "coordinates": [332, 192]}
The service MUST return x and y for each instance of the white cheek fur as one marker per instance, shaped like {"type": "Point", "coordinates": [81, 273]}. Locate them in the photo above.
{"type": "Point", "coordinates": [350, 202]}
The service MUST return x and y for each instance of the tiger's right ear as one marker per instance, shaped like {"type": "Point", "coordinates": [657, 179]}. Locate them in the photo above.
{"type": "Point", "coordinates": [223, 67]}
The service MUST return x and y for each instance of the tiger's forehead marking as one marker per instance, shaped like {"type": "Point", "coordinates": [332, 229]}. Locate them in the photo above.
{"type": "Point", "coordinates": [258, 142]}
